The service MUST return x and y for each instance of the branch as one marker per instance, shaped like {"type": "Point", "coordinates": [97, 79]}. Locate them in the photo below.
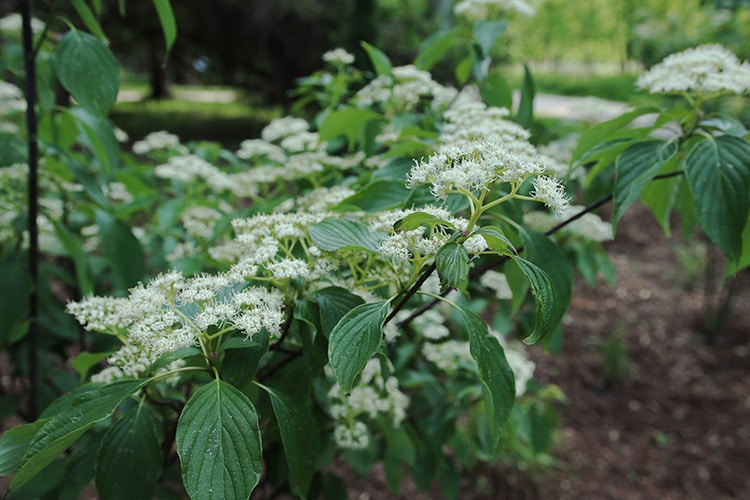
{"type": "Point", "coordinates": [478, 271]}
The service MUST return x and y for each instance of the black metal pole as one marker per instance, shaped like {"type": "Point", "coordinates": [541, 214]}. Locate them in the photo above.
{"type": "Point", "coordinates": [33, 203]}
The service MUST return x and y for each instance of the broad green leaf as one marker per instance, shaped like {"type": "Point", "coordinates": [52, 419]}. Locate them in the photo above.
{"type": "Point", "coordinates": [602, 156]}
{"type": "Point", "coordinates": [13, 444]}
{"type": "Point", "coordinates": [496, 91]}
{"type": "Point", "coordinates": [349, 122]}
{"type": "Point", "coordinates": [452, 262]}
{"type": "Point", "coordinates": [130, 460]}
{"type": "Point", "coordinates": [525, 114]}
{"type": "Point", "coordinates": [334, 302]}
{"type": "Point", "coordinates": [486, 34]}
{"type": "Point", "coordinates": [241, 358]}
{"type": "Point", "coordinates": [417, 219]}
{"type": "Point", "coordinates": [435, 47]}
{"type": "Point", "coordinates": [496, 239]}
{"type": "Point", "coordinates": [299, 435]}
{"type": "Point", "coordinates": [744, 259]}
{"type": "Point", "coordinates": [88, 18]}
{"type": "Point", "coordinates": [122, 250]}
{"type": "Point", "coordinates": [718, 172]}
{"type": "Point", "coordinates": [88, 70]}
{"type": "Point", "coordinates": [219, 443]}
{"type": "Point", "coordinates": [552, 261]}
{"type": "Point", "coordinates": [399, 450]}
{"type": "Point", "coordinates": [85, 360]}
{"type": "Point", "coordinates": [724, 123]}
{"type": "Point", "coordinates": [171, 357]}
{"type": "Point", "coordinates": [14, 300]}
{"type": "Point", "coordinates": [376, 196]}
{"type": "Point", "coordinates": [463, 70]}
{"type": "Point", "coordinates": [541, 288]}
{"type": "Point", "coordinates": [98, 136]}
{"type": "Point", "coordinates": [80, 410]}
{"type": "Point", "coordinates": [332, 235]}
{"type": "Point", "coordinates": [73, 245]}
{"type": "Point", "coordinates": [167, 21]}
{"type": "Point", "coordinates": [635, 169]}
{"type": "Point", "coordinates": [354, 340]}
{"type": "Point", "coordinates": [660, 198]}
{"type": "Point", "coordinates": [380, 61]}
{"type": "Point", "coordinates": [11, 150]}
{"type": "Point", "coordinates": [601, 132]}
{"type": "Point", "coordinates": [498, 381]}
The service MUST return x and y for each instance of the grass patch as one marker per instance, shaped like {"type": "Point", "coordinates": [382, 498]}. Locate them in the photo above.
{"type": "Point", "coordinates": [225, 122]}
{"type": "Point", "coordinates": [618, 87]}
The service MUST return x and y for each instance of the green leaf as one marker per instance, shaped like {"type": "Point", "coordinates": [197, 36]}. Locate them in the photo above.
{"type": "Point", "coordinates": [376, 196]}
{"type": "Point", "coordinates": [541, 288]}
{"type": "Point", "coordinates": [130, 460]}
{"type": "Point", "coordinates": [453, 266]}
{"type": "Point", "coordinates": [744, 259]}
{"type": "Point", "coordinates": [14, 300]}
{"type": "Point", "coordinates": [354, 340]}
{"type": "Point", "coordinates": [88, 18]}
{"type": "Point", "coordinates": [601, 132]}
{"type": "Point", "coordinates": [660, 198]}
{"type": "Point", "coordinates": [168, 24]}
{"type": "Point", "coordinates": [552, 261]}
{"type": "Point", "coordinates": [525, 114]}
{"type": "Point", "coordinates": [219, 444]}
{"type": "Point", "coordinates": [418, 219]}
{"type": "Point", "coordinates": [435, 47]}
{"type": "Point", "coordinates": [496, 91]}
{"type": "Point", "coordinates": [79, 411]}
{"type": "Point", "coordinates": [334, 302]}
{"type": "Point", "coordinates": [299, 435]}
{"type": "Point", "coordinates": [85, 360]}
{"type": "Point", "coordinates": [718, 172]}
{"type": "Point", "coordinates": [635, 169]}
{"type": "Point", "coordinates": [336, 234]}
{"type": "Point", "coordinates": [486, 34]}
{"type": "Point", "coordinates": [380, 61]}
{"type": "Point", "coordinates": [498, 381]}
{"type": "Point", "coordinates": [13, 444]}
{"type": "Point", "coordinates": [349, 122]}
{"type": "Point", "coordinates": [463, 70]}
{"type": "Point", "coordinates": [97, 134]}
{"type": "Point", "coordinates": [122, 250]}
{"type": "Point", "coordinates": [88, 70]}
{"type": "Point", "coordinates": [73, 245]}
{"type": "Point", "coordinates": [399, 450]}
{"type": "Point", "coordinates": [496, 239]}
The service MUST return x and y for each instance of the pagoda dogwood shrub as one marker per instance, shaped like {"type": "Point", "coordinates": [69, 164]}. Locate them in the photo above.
{"type": "Point", "coordinates": [353, 285]}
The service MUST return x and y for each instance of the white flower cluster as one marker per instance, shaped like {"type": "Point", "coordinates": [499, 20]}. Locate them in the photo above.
{"type": "Point", "coordinates": [589, 226]}
{"type": "Point", "coordinates": [258, 148]}
{"type": "Point", "coordinates": [199, 221]}
{"type": "Point", "coordinates": [477, 10]}
{"type": "Point", "coordinates": [373, 395]}
{"type": "Point", "coordinates": [117, 191]}
{"type": "Point", "coordinates": [404, 90]}
{"type": "Point", "coordinates": [402, 245]}
{"type": "Point", "coordinates": [172, 311]}
{"type": "Point", "coordinates": [283, 127]}
{"type": "Point", "coordinates": [476, 166]}
{"type": "Point", "coordinates": [12, 24]}
{"type": "Point", "coordinates": [11, 99]}
{"type": "Point", "coordinates": [469, 119]}
{"type": "Point", "coordinates": [705, 69]}
{"type": "Point", "coordinates": [338, 56]}
{"type": "Point", "coordinates": [498, 283]}
{"type": "Point", "coordinates": [158, 141]}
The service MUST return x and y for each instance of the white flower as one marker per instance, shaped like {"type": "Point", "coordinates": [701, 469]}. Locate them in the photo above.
{"type": "Point", "coordinates": [283, 127]}
{"type": "Point", "coordinates": [338, 56]}
{"type": "Point", "coordinates": [252, 148]}
{"type": "Point", "coordinates": [158, 141]}
{"type": "Point", "coordinates": [498, 283]}
{"type": "Point", "coordinates": [549, 191]}
{"type": "Point", "coordinates": [704, 69]}
{"type": "Point", "coordinates": [477, 10]}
